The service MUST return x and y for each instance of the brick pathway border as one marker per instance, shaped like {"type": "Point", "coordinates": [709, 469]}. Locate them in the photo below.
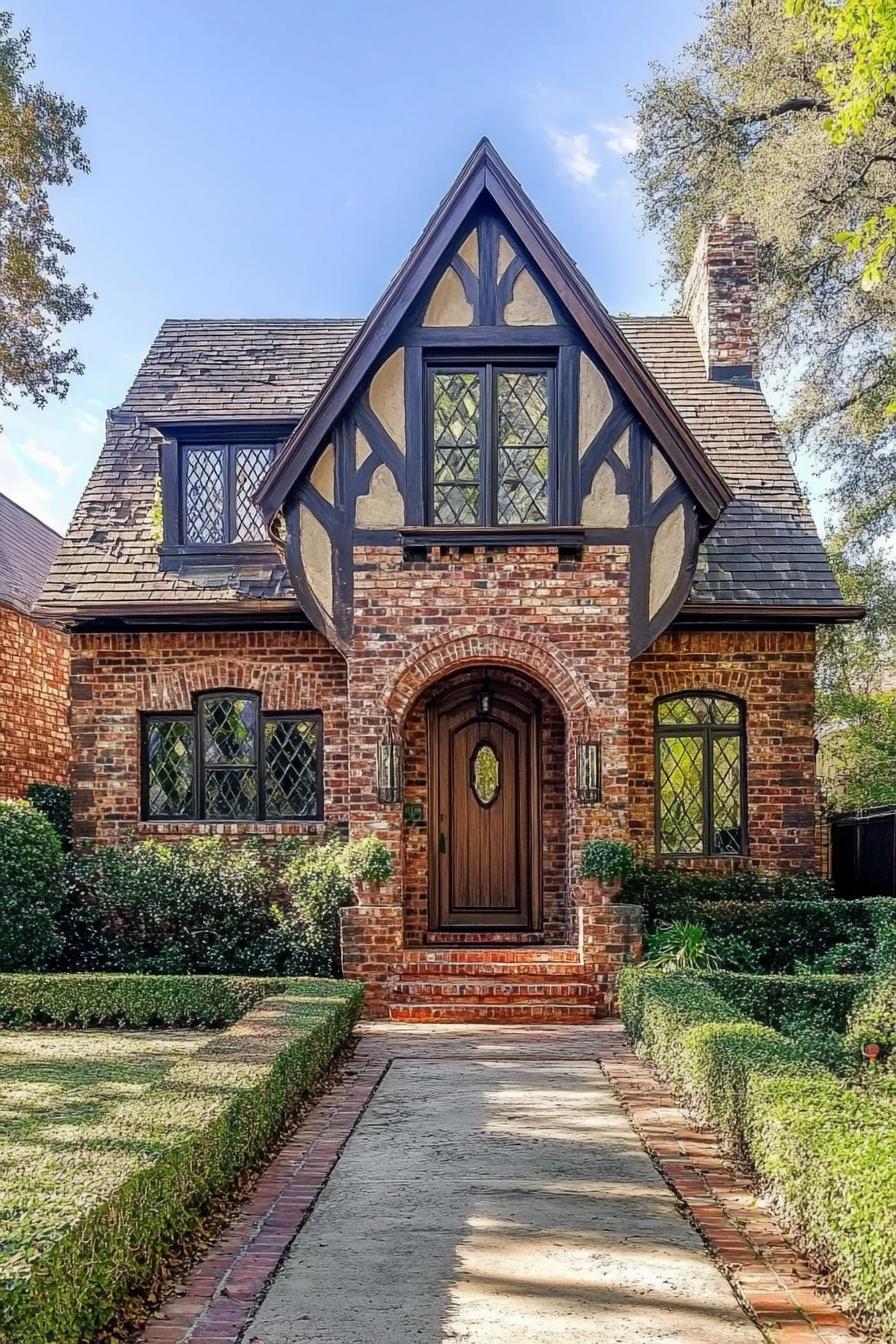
{"type": "Point", "coordinates": [779, 1289]}
{"type": "Point", "coordinates": [219, 1296]}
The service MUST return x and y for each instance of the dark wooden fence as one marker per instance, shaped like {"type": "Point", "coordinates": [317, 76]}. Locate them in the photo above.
{"type": "Point", "coordinates": [863, 852]}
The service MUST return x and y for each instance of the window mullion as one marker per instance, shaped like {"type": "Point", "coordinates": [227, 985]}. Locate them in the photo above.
{"type": "Point", "coordinates": [706, 734]}
{"type": "Point", "coordinates": [199, 758]}
{"type": "Point", "coordinates": [260, 800]}
{"type": "Point", "coordinates": [488, 505]}
{"type": "Point", "coordinates": [229, 492]}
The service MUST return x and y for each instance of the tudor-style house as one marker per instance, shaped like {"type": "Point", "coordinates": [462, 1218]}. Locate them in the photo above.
{"type": "Point", "coordinates": [487, 575]}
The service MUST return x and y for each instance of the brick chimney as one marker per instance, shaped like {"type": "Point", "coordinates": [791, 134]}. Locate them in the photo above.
{"type": "Point", "coordinates": [720, 297]}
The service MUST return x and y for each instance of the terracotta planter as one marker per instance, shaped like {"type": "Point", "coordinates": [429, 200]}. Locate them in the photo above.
{"type": "Point", "coordinates": [600, 893]}
{"type": "Point", "coordinates": [368, 893]}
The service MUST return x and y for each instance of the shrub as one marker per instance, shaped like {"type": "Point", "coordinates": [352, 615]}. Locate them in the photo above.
{"type": "Point", "coordinates": [219, 1110]}
{"type": "Point", "coordinates": [681, 947]}
{"type": "Point", "coordinates": [824, 1001]}
{"type": "Point", "coordinates": [309, 928]}
{"type": "Point", "coordinates": [30, 888]}
{"type": "Point", "coordinates": [55, 801]}
{"type": "Point", "coordinates": [670, 892]}
{"type": "Point", "coordinates": [873, 1019]}
{"type": "Point", "coordinates": [368, 860]}
{"type": "Point", "coordinates": [606, 860]}
{"type": "Point", "coordinates": [138, 1001]}
{"type": "Point", "coordinates": [825, 1152]}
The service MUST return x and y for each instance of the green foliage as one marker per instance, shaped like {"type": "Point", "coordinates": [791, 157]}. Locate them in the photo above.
{"type": "Point", "coordinates": [824, 1151]}
{"type": "Point", "coordinates": [368, 860]}
{"type": "Point", "coordinates": [606, 860]}
{"type": "Point", "coordinates": [30, 888]}
{"type": "Point", "coordinates": [39, 151]}
{"type": "Point", "coordinates": [55, 801]}
{"type": "Point", "coordinates": [665, 892]}
{"type": "Point", "coordinates": [861, 88]}
{"type": "Point", "coordinates": [681, 947]}
{"type": "Point", "coordinates": [825, 1001]}
{"type": "Point", "coordinates": [204, 907]}
{"type": "Point", "coordinates": [873, 1019]}
{"type": "Point", "coordinates": [135, 1001]}
{"type": "Point", "coordinates": [161, 1132]}
{"type": "Point", "coordinates": [743, 122]}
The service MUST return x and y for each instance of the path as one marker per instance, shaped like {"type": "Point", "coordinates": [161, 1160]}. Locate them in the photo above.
{"type": "Point", "coordinates": [495, 1192]}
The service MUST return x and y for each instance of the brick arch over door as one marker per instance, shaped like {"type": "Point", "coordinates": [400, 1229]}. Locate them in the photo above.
{"type": "Point", "coordinates": [504, 647]}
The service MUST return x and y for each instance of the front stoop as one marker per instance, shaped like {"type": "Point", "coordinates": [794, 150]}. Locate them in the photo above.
{"type": "Point", "coordinates": [492, 984]}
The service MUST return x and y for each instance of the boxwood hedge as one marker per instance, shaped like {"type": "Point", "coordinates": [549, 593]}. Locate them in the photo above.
{"type": "Point", "coordinates": [825, 1151]}
{"type": "Point", "coordinates": [824, 1001]}
{"type": "Point", "coordinates": [221, 1107]}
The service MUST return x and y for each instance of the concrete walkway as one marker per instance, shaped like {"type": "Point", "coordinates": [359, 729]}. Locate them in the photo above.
{"type": "Point", "coordinates": [497, 1196]}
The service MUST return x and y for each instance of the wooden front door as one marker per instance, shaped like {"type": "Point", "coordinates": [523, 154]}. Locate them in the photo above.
{"type": "Point", "coordinates": [484, 831]}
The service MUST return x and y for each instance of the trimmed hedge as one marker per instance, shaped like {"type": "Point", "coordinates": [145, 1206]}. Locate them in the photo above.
{"type": "Point", "coordinates": [825, 1001]}
{"type": "Point", "coordinates": [826, 1152]}
{"type": "Point", "coordinates": [873, 1020]}
{"type": "Point", "coordinates": [778, 934]}
{"type": "Point", "coordinates": [55, 801]}
{"type": "Point", "coordinates": [138, 1001]}
{"type": "Point", "coordinates": [219, 1110]}
{"type": "Point", "coordinates": [666, 891]}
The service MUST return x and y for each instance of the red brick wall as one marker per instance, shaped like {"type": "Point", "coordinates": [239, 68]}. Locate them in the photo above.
{"type": "Point", "coordinates": [773, 673]}
{"type": "Point", "coordinates": [34, 732]}
{"type": "Point", "coordinates": [115, 677]}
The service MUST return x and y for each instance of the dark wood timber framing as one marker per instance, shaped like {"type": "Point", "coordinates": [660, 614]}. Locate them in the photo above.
{"type": "Point", "coordinates": [485, 175]}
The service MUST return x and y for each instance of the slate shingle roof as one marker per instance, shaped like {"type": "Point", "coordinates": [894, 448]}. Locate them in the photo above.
{"type": "Point", "coordinates": [28, 548]}
{"type": "Point", "coordinates": [763, 549]}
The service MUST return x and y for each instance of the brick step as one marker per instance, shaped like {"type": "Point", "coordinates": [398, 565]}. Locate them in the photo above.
{"type": "Point", "coordinates": [459, 939]}
{"type": "Point", "coordinates": [491, 991]}
{"type": "Point", "coordinates": [476, 960]}
{"type": "Point", "coordinates": [552, 973]}
{"type": "Point", "coordinates": [546, 1012]}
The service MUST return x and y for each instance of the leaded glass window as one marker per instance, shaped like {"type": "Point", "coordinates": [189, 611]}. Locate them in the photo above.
{"type": "Point", "coordinates": [228, 761]}
{"type": "Point", "coordinates": [219, 481]}
{"type": "Point", "coordinates": [700, 779]}
{"type": "Point", "coordinates": [491, 445]}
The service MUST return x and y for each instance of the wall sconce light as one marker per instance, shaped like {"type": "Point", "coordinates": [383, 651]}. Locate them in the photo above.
{"type": "Point", "coordinates": [485, 698]}
{"type": "Point", "coordinates": [588, 771]}
{"type": "Point", "coordinates": [389, 768]}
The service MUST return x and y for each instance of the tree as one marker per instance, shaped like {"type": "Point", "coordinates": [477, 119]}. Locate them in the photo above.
{"type": "Point", "coordinates": [39, 149]}
{"type": "Point", "coordinates": [741, 123]}
{"type": "Point", "coordinates": [858, 94]}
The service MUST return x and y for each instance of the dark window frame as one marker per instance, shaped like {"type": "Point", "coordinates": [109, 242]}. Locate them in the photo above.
{"type": "Point", "coordinates": [178, 440]}
{"type": "Point", "coordinates": [201, 768]}
{"type": "Point", "coordinates": [707, 732]}
{"type": "Point", "coordinates": [488, 364]}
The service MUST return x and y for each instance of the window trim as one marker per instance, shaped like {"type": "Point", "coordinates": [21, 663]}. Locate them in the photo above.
{"type": "Point", "coordinates": [194, 717]}
{"type": "Point", "coordinates": [487, 364]}
{"type": "Point", "coordinates": [707, 732]}
{"type": "Point", "coordinates": [174, 549]}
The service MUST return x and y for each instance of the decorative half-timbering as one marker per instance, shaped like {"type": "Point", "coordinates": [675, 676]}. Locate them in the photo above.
{"type": "Point", "coordinates": [490, 418]}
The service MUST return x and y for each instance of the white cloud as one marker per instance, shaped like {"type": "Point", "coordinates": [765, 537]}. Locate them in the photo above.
{"type": "Point", "coordinates": [88, 423]}
{"type": "Point", "coordinates": [20, 484]}
{"type": "Point", "coordinates": [575, 155]}
{"type": "Point", "coordinates": [44, 457]}
{"type": "Point", "coordinates": [619, 137]}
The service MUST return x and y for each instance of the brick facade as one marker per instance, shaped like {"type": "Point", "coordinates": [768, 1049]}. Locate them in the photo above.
{"type": "Point", "coordinates": [773, 672]}
{"type": "Point", "coordinates": [117, 676]}
{"type": "Point", "coordinates": [720, 296]}
{"type": "Point", "coordinates": [34, 704]}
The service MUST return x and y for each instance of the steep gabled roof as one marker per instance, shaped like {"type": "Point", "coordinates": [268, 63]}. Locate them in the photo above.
{"type": "Point", "coordinates": [485, 176]}
{"type": "Point", "coordinates": [28, 548]}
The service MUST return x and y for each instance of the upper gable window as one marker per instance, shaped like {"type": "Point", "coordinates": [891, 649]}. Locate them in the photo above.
{"type": "Point", "coordinates": [491, 444]}
{"type": "Point", "coordinates": [218, 481]}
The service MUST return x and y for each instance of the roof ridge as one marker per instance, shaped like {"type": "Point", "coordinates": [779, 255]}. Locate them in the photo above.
{"type": "Point", "coordinates": [266, 321]}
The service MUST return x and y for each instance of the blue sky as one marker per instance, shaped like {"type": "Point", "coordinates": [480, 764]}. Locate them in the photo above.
{"type": "Point", "coordinates": [280, 160]}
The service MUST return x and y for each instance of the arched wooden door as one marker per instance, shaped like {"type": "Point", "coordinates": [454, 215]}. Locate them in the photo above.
{"type": "Point", "coordinates": [484, 810]}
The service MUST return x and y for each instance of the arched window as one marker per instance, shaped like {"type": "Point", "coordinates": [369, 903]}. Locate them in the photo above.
{"type": "Point", "coordinates": [700, 775]}
{"type": "Point", "coordinates": [228, 761]}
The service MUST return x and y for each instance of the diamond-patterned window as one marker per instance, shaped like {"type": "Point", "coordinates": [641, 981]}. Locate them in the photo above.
{"type": "Point", "coordinates": [229, 762]}
{"type": "Point", "coordinates": [700, 781]}
{"type": "Point", "coordinates": [219, 481]}
{"type": "Point", "coordinates": [491, 445]}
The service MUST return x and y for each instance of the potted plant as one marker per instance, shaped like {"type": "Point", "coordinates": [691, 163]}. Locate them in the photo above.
{"type": "Point", "coordinates": [603, 867]}
{"type": "Point", "coordinates": [369, 864]}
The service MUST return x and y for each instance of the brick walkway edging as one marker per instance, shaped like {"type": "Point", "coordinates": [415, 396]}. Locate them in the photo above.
{"type": "Point", "coordinates": [778, 1288]}
{"type": "Point", "coordinates": [220, 1294]}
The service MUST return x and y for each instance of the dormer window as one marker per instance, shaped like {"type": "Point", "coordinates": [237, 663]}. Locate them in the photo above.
{"type": "Point", "coordinates": [209, 479]}
{"type": "Point", "coordinates": [219, 481]}
{"type": "Point", "coordinates": [491, 444]}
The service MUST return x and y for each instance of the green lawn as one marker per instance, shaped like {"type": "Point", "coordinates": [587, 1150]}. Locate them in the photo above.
{"type": "Point", "coordinates": [79, 1112]}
